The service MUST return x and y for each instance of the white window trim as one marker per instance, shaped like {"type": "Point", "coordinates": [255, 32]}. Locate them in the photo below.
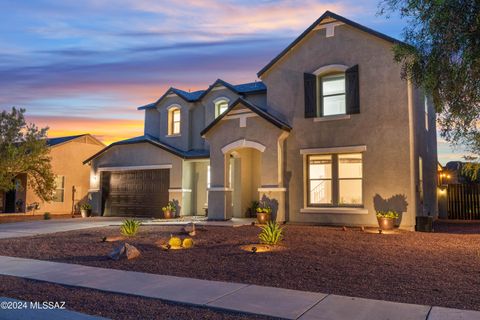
{"type": "Point", "coordinates": [63, 189]}
{"type": "Point", "coordinates": [349, 149]}
{"type": "Point", "coordinates": [170, 120]}
{"type": "Point", "coordinates": [330, 68]}
{"type": "Point", "coordinates": [335, 117]}
{"type": "Point", "coordinates": [216, 103]}
{"type": "Point", "coordinates": [334, 210]}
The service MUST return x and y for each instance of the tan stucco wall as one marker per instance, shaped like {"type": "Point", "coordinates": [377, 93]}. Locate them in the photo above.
{"type": "Point", "coordinates": [382, 124]}
{"type": "Point", "coordinates": [67, 160]}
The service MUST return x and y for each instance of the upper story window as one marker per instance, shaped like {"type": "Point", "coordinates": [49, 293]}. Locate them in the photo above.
{"type": "Point", "coordinates": [221, 105]}
{"type": "Point", "coordinates": [332, 90]}
{"type": "Point", "coordinates": [174, 121]}
{"type": "Point", "coordinates": [332, 94]}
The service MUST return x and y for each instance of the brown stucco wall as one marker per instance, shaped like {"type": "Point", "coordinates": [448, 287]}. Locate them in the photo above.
{"type": "Point", "coordinates": [67, 160]}
{"type": "Point", "coordinates": [382, 124]}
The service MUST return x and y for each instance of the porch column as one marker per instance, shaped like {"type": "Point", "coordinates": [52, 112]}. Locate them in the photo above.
{"type": "Point", "coordinates": [220, 192]}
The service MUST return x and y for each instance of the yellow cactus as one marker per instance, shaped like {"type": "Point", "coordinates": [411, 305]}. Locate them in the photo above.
{"type": "Point", "coordinates": [187, 243]}
{"type": "Point", "coordinates": [175, 242]}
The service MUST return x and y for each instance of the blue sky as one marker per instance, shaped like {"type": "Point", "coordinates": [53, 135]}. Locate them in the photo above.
{"type": "Point", "coordinates": [84, 66]}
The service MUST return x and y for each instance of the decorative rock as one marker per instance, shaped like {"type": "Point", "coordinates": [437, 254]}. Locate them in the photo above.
{"type": "Point", "coordinates": [113, 239]}
{"type": "Point", "coordinates": [344, 228]}
{"type": "Point", "coordinates": [362, 228]}
{"type": "Point", "coordinates": [124, 250]}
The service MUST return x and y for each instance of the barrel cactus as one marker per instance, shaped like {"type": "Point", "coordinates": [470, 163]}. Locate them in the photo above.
{"type": "Point", "coordinates": [175, 242]}
{"type": "Point", "coordinates": [187, 243]}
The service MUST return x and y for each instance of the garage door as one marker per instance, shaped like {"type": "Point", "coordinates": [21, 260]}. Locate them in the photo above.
{"type": "Point", "coordinates": [140, 193]}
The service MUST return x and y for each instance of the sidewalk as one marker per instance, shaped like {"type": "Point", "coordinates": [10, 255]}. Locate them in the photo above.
{"type": "Point", "coordinates": [276, 302]}
{"type": "Point", "coordinates": [39, 314]}
{"type": "Point", "coordinates": [32, 228]}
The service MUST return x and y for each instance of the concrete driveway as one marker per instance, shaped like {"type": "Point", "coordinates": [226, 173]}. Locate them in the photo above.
{"type": "Point", "coordinates": [31, 228]}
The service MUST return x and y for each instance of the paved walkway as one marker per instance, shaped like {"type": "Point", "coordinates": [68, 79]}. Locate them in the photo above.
{"type": "Point", "coordinates": [276, 302]}
{"type": "Point", "coordinates": [27, 310]}
{"type": "Point", "coordinates": [31, 228]}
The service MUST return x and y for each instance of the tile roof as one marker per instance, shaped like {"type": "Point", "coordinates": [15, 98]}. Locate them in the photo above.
{"type": "Point", "coordinates": [262, 113]}
{"type": "Point", "coordinates": [54, 141]}
{"type": "Point", "coordinates": [191, 154]}
{"type": "Point", "coordinates": [244, 88]}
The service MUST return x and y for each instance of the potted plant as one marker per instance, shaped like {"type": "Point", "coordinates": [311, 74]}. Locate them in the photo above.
{"type": "Point", "coordinates": [86, 210]}
{"type": "Point", "coordinates": [252, 211]}
{"type": "Point", "coordinates": [386, 219]}
{"type": "Point", "coordinates": [169, 210]}
{"type": "Point", "coordinates": [263, 213]}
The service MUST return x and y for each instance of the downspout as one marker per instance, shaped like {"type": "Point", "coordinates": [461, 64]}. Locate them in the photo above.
{"type": "Point", "coordinates": [280, 159]}
{"type": "Point", "coordinates": [411, 131]}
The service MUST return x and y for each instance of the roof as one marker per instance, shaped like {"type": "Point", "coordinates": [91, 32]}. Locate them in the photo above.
{"type": "Point", "coordinates": [327, 14]}
{"type": "Point", "coordinates": [244, 88]}
{"type": "Point", "coordinates": [55, 141]}
{"type": "Point", "coordinates": [191, 154]}
{"type": "Point", "coordinates": [262, 113]}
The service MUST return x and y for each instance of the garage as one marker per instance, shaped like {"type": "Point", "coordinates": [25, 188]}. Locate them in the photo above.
{"type": "Point", "coordinates": [135, 193]}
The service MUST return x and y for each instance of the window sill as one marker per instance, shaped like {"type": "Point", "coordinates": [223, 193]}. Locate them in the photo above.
{"type": "Point", "coordinates": [334, 210]}
{"type": "Point", "coordinates": [173, 135]}
{"type": "Point", "coordinates": [332, 118]}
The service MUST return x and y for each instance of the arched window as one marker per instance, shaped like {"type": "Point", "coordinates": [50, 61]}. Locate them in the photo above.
{"type": "Point", "coordinates": [221, 105]}
{"type": "Point", "coordinates": [332, 93]}
{"type": "Point", "coordinates": [174, 121]}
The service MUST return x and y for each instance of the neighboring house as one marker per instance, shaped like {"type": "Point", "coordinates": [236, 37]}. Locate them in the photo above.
{"type": "Point", "coordinates": [329, 135]}
{"type": "Point", "coordinates": [67, 154]}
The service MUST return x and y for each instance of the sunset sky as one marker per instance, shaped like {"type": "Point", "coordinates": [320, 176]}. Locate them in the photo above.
{"type": "Point", "coordinates": [84, 66]}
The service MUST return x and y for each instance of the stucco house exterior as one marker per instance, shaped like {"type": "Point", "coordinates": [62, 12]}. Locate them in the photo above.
{"type": "Point", "coordinates": [67, 155]}
{"type": "Point", "coordinates": [329, 135]}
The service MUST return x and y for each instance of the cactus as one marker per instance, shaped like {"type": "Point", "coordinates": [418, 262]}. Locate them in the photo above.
{"type": "Point", "coordinates": [175, 241]}
{"type": "Point", "coordinates": [187, 243]}
{"type": "Point", "coordinates": [271, 233]}
{"type": "Point", "coordinates": [129, 227]}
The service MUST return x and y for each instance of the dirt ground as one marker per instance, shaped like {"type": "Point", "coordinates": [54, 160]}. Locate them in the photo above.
{"type": "Point", "coordinates": [440, 268]}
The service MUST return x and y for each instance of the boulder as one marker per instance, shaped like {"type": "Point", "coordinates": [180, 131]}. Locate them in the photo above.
{"type": "Point", "coordinates": [124, 250]}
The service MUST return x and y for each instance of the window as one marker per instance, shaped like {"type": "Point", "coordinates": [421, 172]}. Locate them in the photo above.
{"type": "Point", "coordinates": [320, 179]}
{"type": "Point", "coordinates": [174, 121]}
{"type": "Point", "coordinates": [333, 94]}
{"type": "Point", "coordinates": [335, 179]}
{"type": "Point", "coordinates": [426, 113]}
{"type": "Point", "coordinates": [59, 193]}
{"type": "Point", "coordinates": [220, 107]}
{"type": "Point", "coordinates": [350, 178]}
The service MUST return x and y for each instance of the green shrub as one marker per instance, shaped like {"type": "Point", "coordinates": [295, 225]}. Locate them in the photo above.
{"type": "Point", "coordinates": [129, 227]}
{"type": "Point", "coordinates": [271, 233]}
{"type": "Point", "coordinates": [46, 216]}
{"type": "Point", "coordinates": [390, 214]}
{"type": "Point", "coordinates": [85, 206]}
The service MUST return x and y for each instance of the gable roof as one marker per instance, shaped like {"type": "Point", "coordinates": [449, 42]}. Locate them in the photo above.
{"type": "Point", "coordinates": [51, 142]}
{"type": "Point", "coordinates": [244, 88]}
{"type": "Point", "coordinates": [262, 113]}
{"type": "Point", "coordinates": [191, 154]}
{"type": "Point", "coordinates": [327, 14]}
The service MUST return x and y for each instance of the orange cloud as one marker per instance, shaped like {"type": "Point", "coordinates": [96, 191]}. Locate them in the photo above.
{"type": "Point", "coordinates": [106, 130]}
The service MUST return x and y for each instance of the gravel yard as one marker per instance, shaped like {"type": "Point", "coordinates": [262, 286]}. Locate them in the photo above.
{"type": "Point", "coordinates": [439, 268]}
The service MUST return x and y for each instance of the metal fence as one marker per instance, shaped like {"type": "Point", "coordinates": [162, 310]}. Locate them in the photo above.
{"type": "Point", "coordinates": [463, 201]}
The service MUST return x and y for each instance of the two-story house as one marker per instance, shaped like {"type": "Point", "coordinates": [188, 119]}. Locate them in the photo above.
{"type": "Point", "coordinates": [329, 135]}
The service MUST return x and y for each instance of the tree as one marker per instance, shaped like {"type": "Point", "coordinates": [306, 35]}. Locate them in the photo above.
{"type": "Point", "coordinates": [23, 150]}
{"type": "Point", "coordinates": [441, 54]}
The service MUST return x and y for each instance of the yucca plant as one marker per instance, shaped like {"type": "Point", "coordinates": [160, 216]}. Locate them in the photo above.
{"type": "Point", "coordinates": [129, 227]}
{"type": "Point", "coordinates": [271, 233]}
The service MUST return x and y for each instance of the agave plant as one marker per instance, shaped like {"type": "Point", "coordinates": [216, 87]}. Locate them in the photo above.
{"type": "Point", "coordinates": [271, 233]}
{"type": "Point", "coordinates": [129, 227]}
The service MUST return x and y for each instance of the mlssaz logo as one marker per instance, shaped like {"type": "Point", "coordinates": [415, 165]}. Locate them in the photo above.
{"type": "Point", "coordinates": [47, 305]}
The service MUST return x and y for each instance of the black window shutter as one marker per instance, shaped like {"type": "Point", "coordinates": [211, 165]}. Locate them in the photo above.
{"type": "Point", "coordinates": [352, 90]}
{"type": "Point", "coordinates": [310, 83]}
